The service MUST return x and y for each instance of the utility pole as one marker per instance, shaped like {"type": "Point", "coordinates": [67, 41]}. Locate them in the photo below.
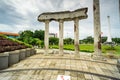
{"type": "Point", "coordinates": [97, 30]}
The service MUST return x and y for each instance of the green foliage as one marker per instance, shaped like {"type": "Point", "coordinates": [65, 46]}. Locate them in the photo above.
{"type": "Point", "coordinates": [104, 39]}
{"type": "Point", "coordinates": [42, 44]}
{"type": "Point", "coordinates": [39, 34]}
{"type": "Point", "coordinates": [116, 40]}
{"type": "Point", "coordinates": [68, 41]}
{"type": "Point", "coordinates": [33, 38]}
{"type": "Point", "coordinates": [3, 36]}
{"type": "Point", "coordinates": [83, 47]}
{"type": "Point", "coordinates": [90, 48]}
{"type": "Point", "coordinates": [15, 40]}
{"type": "Point", "coordinates": [25, 34]}
{"type": "Point", "coordinates": [53, 41]}
{"type": "Point", "coordinates": [20, 42]}
{"type": "Point", "coordinates": [88, 40]}
{"type": "Point", "coordinates": [36, 41]}
{"type": "Point", "coordinates": [86, 48]}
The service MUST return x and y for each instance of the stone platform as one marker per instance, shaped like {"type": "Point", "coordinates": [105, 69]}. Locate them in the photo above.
{"type": "Point", "coordinates": [48, 67]}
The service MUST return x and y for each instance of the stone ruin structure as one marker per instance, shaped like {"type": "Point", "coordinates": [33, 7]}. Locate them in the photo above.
{"type": "Point", "coordinates": [75, 16]}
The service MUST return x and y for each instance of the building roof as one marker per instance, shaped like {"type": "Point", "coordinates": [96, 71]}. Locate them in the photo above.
{"type": "Point", "coordinates": [9, 33]}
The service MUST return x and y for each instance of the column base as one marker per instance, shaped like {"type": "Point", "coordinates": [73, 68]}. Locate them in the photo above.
{"type": "Point", "coordinates": [61, 52]}
{"type": "Point", "coordinates": [46, 52]}
{"type": "Point", "coordinates": [77, 55]}
{"type": "Point", "coordinates": [98, 57]}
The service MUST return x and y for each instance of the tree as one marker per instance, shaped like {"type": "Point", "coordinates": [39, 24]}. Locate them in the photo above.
{"type": "Point", "coordinates": [68, 41]}
{"type": "Point", "coordinates": [26, 36]}
{"type": "Point", "coordinates": [88, 40]}
{"type": "Point", "coordinates": [104, 39]}
{"type": "Point", "coordinates": [32, 38]}
{"type": "Point", "coordinates": [116, 40]}
{"type": "Point", "coordinates": [53, 41]}
{"type": "Point", "coordinates": [39, 34]}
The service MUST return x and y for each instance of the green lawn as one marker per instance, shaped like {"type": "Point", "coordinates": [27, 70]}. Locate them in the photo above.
{"type": "Point", "coordinates": [90, 48]}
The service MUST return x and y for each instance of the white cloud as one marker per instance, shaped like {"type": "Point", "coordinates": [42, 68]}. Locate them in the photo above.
{"type": "Point", "coordinates": [25, 13]}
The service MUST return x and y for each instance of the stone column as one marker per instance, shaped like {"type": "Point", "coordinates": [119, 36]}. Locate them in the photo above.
{"type": "Point", "coordinates": [61, 37]}
{"type": "Point", "coordinates": [97, 29]}
{"type": "Point", "coordinates": [76, 35]}
{"type": "Point", "coordinates": [46, 38]}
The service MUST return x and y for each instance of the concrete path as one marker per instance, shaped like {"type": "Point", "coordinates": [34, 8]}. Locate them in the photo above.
{"type": "Point", "coordinates": [48, 67]}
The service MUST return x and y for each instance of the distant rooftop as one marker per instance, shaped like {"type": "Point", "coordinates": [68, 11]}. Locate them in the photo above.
{"type": "Point", "coordinates": [9, 34]}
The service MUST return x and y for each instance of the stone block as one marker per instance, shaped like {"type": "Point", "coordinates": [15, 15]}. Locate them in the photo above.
{"type": "Point", "coordinates": [22, 54]}
{"type": "Point", "coordinates": [28, 52]}
{"type": "Point", "coordinates": [4, 60]}
{"type": "Point", "coordinates": [118, 65]}
{"type": "Point", "coordinates": [33, 51]}
{"type": "Point", "coordinates": [13, 57]}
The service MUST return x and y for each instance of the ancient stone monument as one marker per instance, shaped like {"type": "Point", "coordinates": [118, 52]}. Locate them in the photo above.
{"type": "Point", "coordinates": [75, 16]}
{"type": "Point", "coordinates": [61, 17]}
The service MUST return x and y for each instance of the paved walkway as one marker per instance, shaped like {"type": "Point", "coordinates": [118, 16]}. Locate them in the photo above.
{"type": "Point", "coordinates": [41, 67]}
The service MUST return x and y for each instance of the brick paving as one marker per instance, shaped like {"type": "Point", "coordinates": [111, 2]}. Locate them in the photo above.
{"type": "Point", "coordinates": [48, 67]}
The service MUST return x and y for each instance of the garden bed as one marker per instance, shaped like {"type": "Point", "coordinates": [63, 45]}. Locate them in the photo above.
{"type": "Point", "coordinates": [12, 52]}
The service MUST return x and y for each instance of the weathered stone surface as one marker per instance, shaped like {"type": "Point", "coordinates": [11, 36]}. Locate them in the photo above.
{"type": "Point", "coordinates": [76, 35]}
{"type": "Point", "coordinates": [46, 38]}
{"type": "Point", "coordinates": [97, 28]}
{"type": "Point", "coordinates": [64, 15]}
{"type": "Point", "coordinates": [28, 51]}
{"type": "Point", "coordinates": [61, 32]}
{"type": "Point", "coordinates": [4, 60]}
{"type": "Point", "coordinates": [22, 54]}
{"type": "Point", "coordinates": [118, 65]}
{"type": "Point", "coordinates": [13, 57]}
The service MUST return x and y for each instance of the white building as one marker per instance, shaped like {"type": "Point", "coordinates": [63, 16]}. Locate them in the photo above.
{"type": "Point", "coordinates": [53, 35]}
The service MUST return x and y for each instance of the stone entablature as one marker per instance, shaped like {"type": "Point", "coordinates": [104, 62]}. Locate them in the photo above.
{"type": "Point", "coordinates": [64, 15]}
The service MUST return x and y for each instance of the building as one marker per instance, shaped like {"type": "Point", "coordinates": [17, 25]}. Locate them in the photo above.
{"type": "Point", "coordinates": [9, 34]}
{"type": "Point", "coordinates": [53, 35]}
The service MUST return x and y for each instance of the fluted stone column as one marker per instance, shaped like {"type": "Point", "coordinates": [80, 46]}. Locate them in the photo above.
{"type": "Point", "coordinates": [46, 39]}
{"type": "Point", "coordinates": [97, 30]}
{"type": "Point", "coordinates": [76, 35]}
{"type": "Point", "coordinates": [61, 37]}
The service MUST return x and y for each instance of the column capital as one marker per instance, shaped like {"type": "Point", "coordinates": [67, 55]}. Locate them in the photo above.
{"type": "Point", "coordinates": [61, 20]}
{"type": "Point", "coordinates": [76, 19]}
{"type": "Point", "coordinates": [47, 21]}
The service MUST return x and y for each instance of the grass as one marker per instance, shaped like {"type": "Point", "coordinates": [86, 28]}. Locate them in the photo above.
{"type": "Point", "coordinates": [90, 48]}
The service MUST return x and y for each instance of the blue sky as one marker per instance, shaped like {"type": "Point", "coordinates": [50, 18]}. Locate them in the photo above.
{"type": "Point", "coordinates": [20, 15]}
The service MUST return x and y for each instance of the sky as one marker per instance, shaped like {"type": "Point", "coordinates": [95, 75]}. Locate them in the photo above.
{"type": "Point", "coordinates": [20, 15]}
